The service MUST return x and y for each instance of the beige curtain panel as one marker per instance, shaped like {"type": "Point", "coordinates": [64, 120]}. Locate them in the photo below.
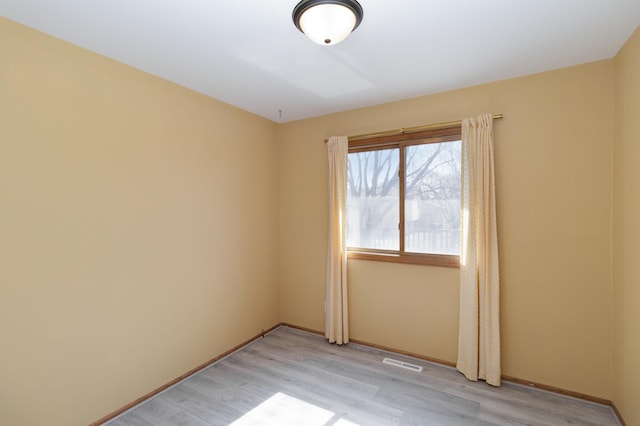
{"type": "Point", "coordinates": [336, 307]}
{"type": "Point", "coordinates": [479, 333]}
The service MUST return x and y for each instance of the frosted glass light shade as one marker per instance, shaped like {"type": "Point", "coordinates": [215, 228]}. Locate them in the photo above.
{"type": "Point", "coordinates": [327, 22]}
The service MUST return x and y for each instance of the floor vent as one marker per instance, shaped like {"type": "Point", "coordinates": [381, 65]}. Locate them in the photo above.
{"type": "Point", "coordinates": [401, 364]}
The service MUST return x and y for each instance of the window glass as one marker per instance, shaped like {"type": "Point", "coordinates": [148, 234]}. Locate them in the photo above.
{"type": "Point", "coordinates": [373, 200]}
{"type": "Point", "coordinates": [432, 198]}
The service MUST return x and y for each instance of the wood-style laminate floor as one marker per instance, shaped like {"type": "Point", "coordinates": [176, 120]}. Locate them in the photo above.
{"type": "Point", "coordinates": [290, 377]}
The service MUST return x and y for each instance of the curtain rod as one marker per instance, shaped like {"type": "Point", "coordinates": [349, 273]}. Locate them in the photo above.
{"type": "Point", "coordinates": [405, 130]}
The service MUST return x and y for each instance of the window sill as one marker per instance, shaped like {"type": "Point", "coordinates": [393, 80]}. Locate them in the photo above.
{"type": "Point", "coordinates": [446, 260]}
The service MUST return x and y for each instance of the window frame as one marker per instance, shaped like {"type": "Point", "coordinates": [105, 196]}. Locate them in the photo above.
{"type": "Point", "coordinates": [401, 141]}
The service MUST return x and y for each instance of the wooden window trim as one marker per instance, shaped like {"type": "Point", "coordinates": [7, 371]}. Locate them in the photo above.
{"type": "Point", "coordinates": [447, 260]}
{"type": "Point", "coordinates": [444, 134]}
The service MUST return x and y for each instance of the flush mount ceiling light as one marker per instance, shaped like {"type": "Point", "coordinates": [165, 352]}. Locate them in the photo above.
{"type": "Point", "coordinates": [327, 22]}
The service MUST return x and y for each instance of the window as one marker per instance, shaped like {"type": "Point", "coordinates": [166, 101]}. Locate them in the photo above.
{"type": "Point", "coordinates": [403, 198]}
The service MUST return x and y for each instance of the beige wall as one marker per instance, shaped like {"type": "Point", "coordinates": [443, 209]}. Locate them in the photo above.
{"type": "Point", "coordinates": [554, 177]}
{"type": "Point", "coordinates": [129, 208]}
{"type": "Point", "coordinates": [626, 234]}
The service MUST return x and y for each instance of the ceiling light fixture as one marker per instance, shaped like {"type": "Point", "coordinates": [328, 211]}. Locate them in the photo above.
{"type": "Point", "coordinates": [327, 22]}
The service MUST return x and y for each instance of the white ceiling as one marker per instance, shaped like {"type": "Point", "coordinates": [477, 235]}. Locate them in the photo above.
{"type": "Point", "coordinates": [249, 54]}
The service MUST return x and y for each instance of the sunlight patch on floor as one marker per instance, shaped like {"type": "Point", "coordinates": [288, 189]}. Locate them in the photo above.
{"type": "Point", "coordinates": [282, 409]}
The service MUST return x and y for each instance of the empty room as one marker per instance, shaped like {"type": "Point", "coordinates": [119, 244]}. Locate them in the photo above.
{"type": "Point", "coordinates": [240, 212]}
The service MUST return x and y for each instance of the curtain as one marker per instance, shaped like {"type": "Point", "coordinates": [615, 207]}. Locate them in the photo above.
{"type": "Point", "coordinates": [336, 309]}
{"type": "Point", "coordinates": [479, 329]}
